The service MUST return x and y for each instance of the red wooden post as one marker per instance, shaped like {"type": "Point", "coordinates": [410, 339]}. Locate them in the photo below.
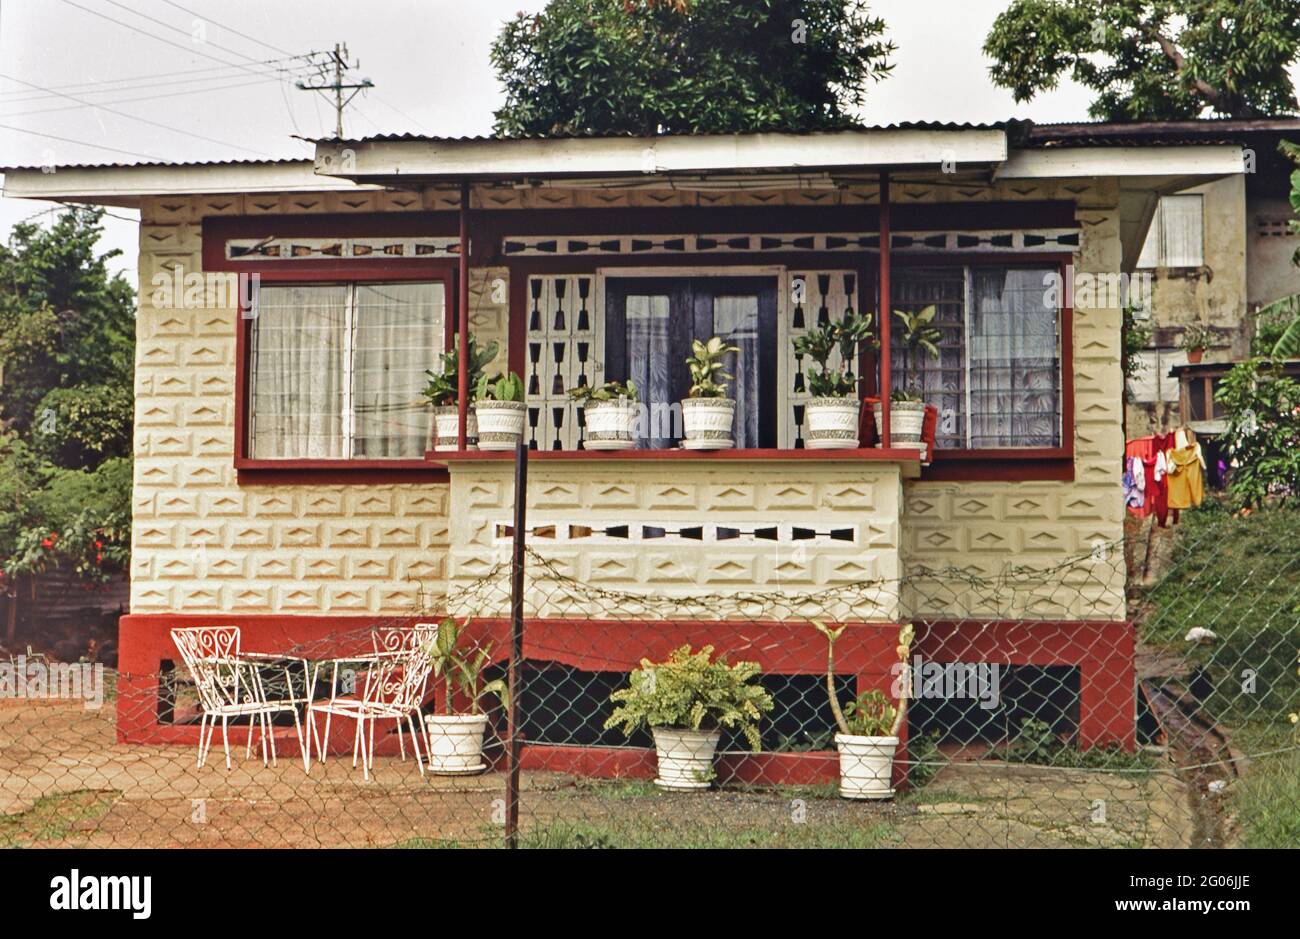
{"type": "Point", "coordinates": [885, 307]}
{"type": "Point", "coordinates": [462, 321]}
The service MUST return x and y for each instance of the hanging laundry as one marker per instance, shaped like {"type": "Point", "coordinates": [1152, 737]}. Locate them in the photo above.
{"type": "Point", "coordinates": [1186, 471]}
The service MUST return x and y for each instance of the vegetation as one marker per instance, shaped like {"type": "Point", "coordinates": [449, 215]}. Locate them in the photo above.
{"type": "Point", "coordinates": [1262, 407]}
{"type": "Point", "coordinates": [462, 669]}
{"type": "Point", "coordinates": [850, 335]}
{"type": "Point", "coordinates": [691, 691]}
{"type": "Point", "coordinates": [1266, 797]}
{"type": "Point", "coordinates": [443, 388]}
{"type": "Point", "coordinates": [1152, 60]}
{"type": "Point", "coordinates": [1037, 744]}
{"type": "Point", "coordinates": [1196, 337]}
{"type": "Point", "coordinates": [67, 350]}
{"type": "Point", "coordinates": [708, 380]}
{"type": "Point", "coordinates": [687, 66]}
{"type": "Point", "coordinates": [1136, 336]}
{"type": "Point", "coordinates": [870, 714]}
{"type": "Point", "coordinates": [499, 387]}
{"type": "Point", "coordinates": [605, 391]}
{"type": "Point", "coordinates": [919, 336]}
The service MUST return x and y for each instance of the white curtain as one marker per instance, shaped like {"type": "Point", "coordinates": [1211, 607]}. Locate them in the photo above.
{"type": "Point", "coordinates": [1181, 231]}
{"type": "Point", "coordinates": [648, 366]}
{"type": "Point", "coordinates": [298, 373]}
{"type": "Point", "coordinates": [1014, 361]}
{"type": "Point", "coordinates": [399, 333]}
{"type": "Point", "coordinates": [735, 319]}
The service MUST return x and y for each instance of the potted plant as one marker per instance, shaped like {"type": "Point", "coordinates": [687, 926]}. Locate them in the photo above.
{"type": "Point", "coordinates": [919, 337]}
{"type": "Point", "coordinates": [833, 410]}
{"type": "Point", "coordinates": [444, 388]}
{"type": "Point", "coordinates": [1196, 339]}
{"type": "Point", "coordinates": [686, 701]}
{"type": "Point", "coordinates": [456, 739]}
{"type": "Point", "coordinates": [609, 412]}
{"type": "Point", "coordinates": [499, 406]}
{"type": "Point", "coordinates": [868, 725]}
{"type": "Point", "coordinates": [708, 414]}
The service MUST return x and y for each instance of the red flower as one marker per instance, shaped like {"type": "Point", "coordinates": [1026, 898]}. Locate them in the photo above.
{"type": "Point", "coordinates": [47, 543]}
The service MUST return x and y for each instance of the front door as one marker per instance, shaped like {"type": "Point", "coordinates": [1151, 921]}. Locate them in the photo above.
{"type": "Point", "coordinates": [649, 325]}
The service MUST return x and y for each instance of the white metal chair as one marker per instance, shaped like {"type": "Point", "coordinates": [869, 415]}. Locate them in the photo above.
{"type": "Point", "coordinates": [394, 689]}
{"type": "Point", "coordinates": [230, 684]}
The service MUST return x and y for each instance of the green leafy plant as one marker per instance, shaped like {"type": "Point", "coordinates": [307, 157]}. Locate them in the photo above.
{"type": "Point", "coordinates": [444, 385]}
{"type": "Point", "coordinates": [462, 669]}
{"type": "Point", "coordinates": [850, 335]}
{"type": "Point", "coordinates": [870, 714]}
{"type": "Point", "coordinates": [1135, 334]}
{"type": "Point", "coordinates": [500, 387]}
{"type": "Point", "coordinates": [692, 691]}
{"type": "Point", "coordinates": [605, 391]}
{"type": "Point", "coordinates": [708, 380]}
{"type": "Point", "coordinates": [920, 337]}
{"type": "Point", "coordinates": [1262, 407]}
{"type": "Point", "coordinates": [1196, 336]}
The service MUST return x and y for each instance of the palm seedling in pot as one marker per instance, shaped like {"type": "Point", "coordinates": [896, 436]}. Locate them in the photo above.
{"type": "Point", "coordinates": [499, 406]}
{"type": "Point", "coordinates": [443, 390]}
{"type": "Point", "coordinates": [686, 701]}
{"type": "Point", "coordinates": [920, 338]}
{"type": "Point", "coordinates": [708, 414]}
{"type": "Point", "coordinates": [869, 724]}
{"type": "Point", "coordinates": [833, 410]}
{"type": "Point", "coordinates": [456, 736]}
{"type": "Point", "coordinates": [609, 414]}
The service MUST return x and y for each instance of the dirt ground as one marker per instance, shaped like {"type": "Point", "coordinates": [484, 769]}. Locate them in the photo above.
{"type": "Point", "coordinates": [65, 781]}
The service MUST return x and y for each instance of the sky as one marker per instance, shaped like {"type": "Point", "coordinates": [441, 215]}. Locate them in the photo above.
{"type": "Point", "coordinates": [214, 79]}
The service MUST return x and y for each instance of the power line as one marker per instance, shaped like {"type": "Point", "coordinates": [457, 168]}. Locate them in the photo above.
{"type": "Point", "coordinates": [229, 29]}
{"type": "Point", "coordinates": [142, 120]}
{"type": "Point", "coordinates": [92, 87]}
{"type": "Point", "coordinates": [83, 143]}
{"type": "Point", "coordinates": [175, 29]}
{"type": "Point", "coordinates": [339, 65]}
{"type": "Point", "coordinates": [172, 94]}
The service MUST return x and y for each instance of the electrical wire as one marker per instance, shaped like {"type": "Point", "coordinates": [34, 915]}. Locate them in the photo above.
{"type": "Point", "coordinates": [17, 96]}
{"type": "Point", "coordinates": [83, 143]}
{"type": "Point", "coordinates": [172, 94]}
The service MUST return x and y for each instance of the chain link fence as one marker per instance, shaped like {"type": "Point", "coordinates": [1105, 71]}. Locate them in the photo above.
{"type": "Point", "coordinates": [1172, 729]}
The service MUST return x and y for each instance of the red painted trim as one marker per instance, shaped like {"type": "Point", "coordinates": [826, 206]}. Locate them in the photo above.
{"type": "Point", "coordinates": [865, 454]}
{"type": "Point", "coordinates": [342, 473]}
{"type": "Point", "coordinates": [884, 321]}
{"type": "Point", "coordinates": [462, 320]}
{"type": "Point", "coordinates": [992, 469]}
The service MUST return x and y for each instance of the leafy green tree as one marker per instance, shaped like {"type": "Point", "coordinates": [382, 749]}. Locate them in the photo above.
{"type": "Point", "coordinates": [689, 66]}
{"type": "Point", "coordinates": [67, 347]}
{"type": "Point", "coordinates": [1262, 406]}
{"type": "Point", "coordinates": [1152, 60]}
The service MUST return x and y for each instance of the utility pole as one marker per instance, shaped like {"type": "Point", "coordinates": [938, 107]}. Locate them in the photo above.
{"type": "Point", "coordinates": [337, 61]}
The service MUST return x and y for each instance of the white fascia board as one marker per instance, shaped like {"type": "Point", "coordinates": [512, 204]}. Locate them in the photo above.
{"type": "Point", "coordinates": [587, 157]}
{"type": "Point", "coordinates": [125, 185]}
{"type": "Point", "coordinates": [1071, 162]}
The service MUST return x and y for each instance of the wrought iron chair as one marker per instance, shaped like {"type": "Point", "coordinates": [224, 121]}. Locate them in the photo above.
{"type": "Point", "coordinates": [230, 684]}
{"type": "Point", "coordinates": [394, 688]}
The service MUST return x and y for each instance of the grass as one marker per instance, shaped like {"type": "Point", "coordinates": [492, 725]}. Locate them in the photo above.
{"type": "Point", "coordinates": [54, 818]}
{"type": "Point", "coordinates": [1266, 800]}
{"type": "Point", "coordinates": [641, 833]}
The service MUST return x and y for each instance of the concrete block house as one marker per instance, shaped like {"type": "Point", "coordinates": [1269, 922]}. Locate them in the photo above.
{"type": "Point", "coordinates": [284, 479]}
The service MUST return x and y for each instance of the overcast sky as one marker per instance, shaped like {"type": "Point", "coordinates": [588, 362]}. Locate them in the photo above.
{"type": "Point", "coordinates": [427, 58]}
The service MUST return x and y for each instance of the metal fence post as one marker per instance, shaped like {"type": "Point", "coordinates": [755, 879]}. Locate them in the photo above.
{"type": "Point", "coordinates": [514, 678]}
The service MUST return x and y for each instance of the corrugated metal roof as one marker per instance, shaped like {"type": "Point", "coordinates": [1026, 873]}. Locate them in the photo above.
{"type": "Point", "coordinates": [284, 161]}
{"type": "Point", "coordinates": [1156, 133]}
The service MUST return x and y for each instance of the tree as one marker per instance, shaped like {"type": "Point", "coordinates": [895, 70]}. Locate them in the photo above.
{"type": "Point", "coordinates": [689, 66]}
{"type": "Point", "coordinates": [1153, 60]}
{"type": "Point", "coordinates": [67, 349]}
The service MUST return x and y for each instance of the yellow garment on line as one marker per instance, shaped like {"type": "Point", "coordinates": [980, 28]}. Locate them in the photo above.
{"type": "Point", "coordinates": [1185, 479]}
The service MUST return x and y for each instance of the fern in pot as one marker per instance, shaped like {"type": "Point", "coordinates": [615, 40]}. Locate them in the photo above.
{"type": "Point", "coordinates": [443, 391]}
{"type": "Point", "coordinates": [609, 414]}
{"type": "Point", "coordinates": [708, 414]}
{"type": "Point", "coordinates": [500, 408]}
{"type": "Point", "coordinates": [686, 702]}
{"type": "Point", "coordinates": [833, 410]}
{"type": "Point", "coordinates": [920, 338]}
{"type": "Point", "coordinates": [868, 725]}
{"type": "Point", "coordinates": [455, 737]}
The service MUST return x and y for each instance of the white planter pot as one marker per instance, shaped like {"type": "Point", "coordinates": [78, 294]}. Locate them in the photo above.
{"type": "Point", "coordinates": [685, 757]}
{"type": "Point", "coordinates": [446, 428]}
{"type": "Point", "coordinates": [832, 423]}
{"type": "Point", "coordinates": [500, 424]}
{"type": "Point", "coordinates": [455, 743]}
{"type": "Point", "coordinates": [906, 418]}
{"type": "Point", "coordinates": [707, 423]}
{"type": "Point", "coordinates": [609, 425]}
{"type": "Point", "coordinates": [866, 766]}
